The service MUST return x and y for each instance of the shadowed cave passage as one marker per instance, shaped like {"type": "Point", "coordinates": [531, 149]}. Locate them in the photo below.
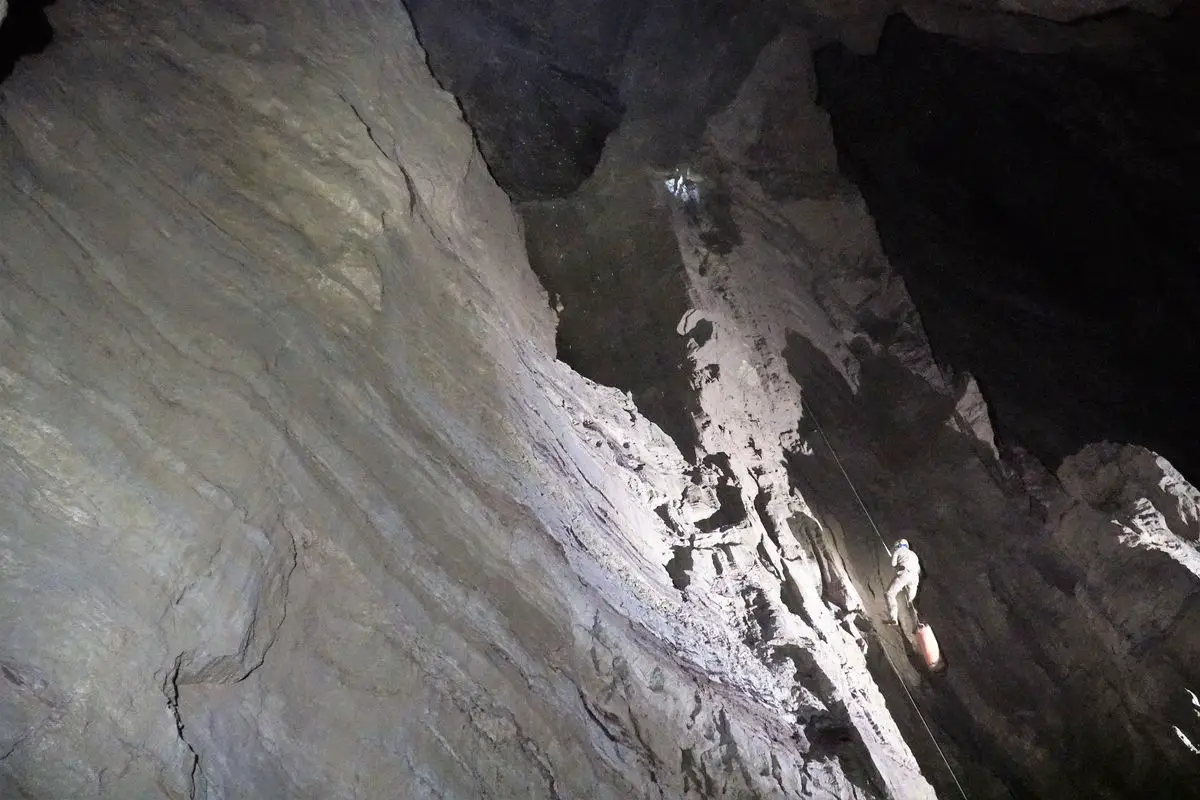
{"type": "Point", "coordinates": [24, 31]}
{"type": "Point", "coordinates": [1042, 210]}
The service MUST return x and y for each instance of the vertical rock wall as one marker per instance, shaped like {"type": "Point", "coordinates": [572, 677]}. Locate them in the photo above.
{"type": "Point", "coordinates": [296, 501]}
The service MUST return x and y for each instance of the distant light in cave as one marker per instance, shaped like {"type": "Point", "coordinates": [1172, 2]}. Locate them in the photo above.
{"type": "Point", "coordinates": [683, 187]}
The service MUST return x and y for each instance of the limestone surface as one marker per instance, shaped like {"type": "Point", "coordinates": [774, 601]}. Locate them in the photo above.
{"type": "Point", "coordinates": [327, 472]}
{"type": "Point", "coordinates": [297, 501]}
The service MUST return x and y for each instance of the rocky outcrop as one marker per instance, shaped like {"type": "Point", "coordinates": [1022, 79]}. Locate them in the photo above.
{"type": "Point", "coordinates": [1133, 527]}
{"type": "Point", "coordinates": [1095, 605]}
{"type": "Point", "coordinates": [679, 286]}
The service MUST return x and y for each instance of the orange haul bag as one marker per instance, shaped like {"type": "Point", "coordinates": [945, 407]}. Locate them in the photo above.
{"type": "Point", "coordinates": [927, 645]}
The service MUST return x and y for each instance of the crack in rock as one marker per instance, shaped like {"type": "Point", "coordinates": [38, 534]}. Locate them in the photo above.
{"type": "Point", "coordinates": [285, 590]}
{"type": "Point", "coordinates": [170, 690]}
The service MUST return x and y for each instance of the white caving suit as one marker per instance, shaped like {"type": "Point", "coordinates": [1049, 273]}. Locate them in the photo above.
{"type": "Point", "coordinates": [908, 576]}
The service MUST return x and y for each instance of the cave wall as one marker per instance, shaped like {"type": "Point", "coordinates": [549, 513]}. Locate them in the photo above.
{"type": "Point", "coordinates": [1038, 607]}
{"type": "Point", "coordinates": [1065, 619]}
{"type": "Point", "coordinates": [789, 291]}
{"type": "Point", "coordinates": [298, 501]}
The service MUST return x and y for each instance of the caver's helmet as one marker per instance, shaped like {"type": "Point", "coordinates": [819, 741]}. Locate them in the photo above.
{"type": "Point", "coordinates": [901, 543]}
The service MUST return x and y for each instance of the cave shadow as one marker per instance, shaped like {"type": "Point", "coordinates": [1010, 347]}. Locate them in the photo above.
{"type": "Point", "coordinates": [1041, 210]}
{"type": "Point", "coordinates": [25, 31]}
{"type": "Point", "coordinates": [540, 112]}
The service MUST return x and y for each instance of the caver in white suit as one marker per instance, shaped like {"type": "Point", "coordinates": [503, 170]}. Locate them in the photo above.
{"type": "Point", "coordinates": [908, 577]}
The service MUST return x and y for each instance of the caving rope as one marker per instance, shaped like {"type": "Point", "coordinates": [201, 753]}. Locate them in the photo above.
{"type": "Point", "coordinates": [883, 649]}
